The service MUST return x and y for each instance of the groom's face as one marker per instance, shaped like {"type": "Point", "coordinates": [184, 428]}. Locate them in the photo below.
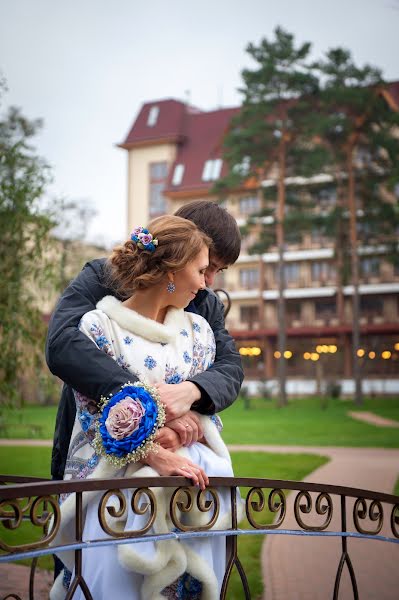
{"type": "Point", "coordinates": [216, 265]}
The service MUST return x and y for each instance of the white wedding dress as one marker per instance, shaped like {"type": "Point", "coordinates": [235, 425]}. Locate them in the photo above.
{"type": "Point", "coordinates": [174, 351]}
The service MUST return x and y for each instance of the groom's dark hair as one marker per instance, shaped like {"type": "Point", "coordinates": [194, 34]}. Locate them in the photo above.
{"type": "Point", "coordinates": [218, 224]}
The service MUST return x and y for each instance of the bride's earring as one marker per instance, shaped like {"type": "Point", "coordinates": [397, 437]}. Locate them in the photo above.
{"type": "Point", "coordinates": [171, 287]}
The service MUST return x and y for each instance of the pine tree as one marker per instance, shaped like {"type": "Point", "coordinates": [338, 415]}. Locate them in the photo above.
{"type": "Point", "coordinates": [264, 139]}
{"type": "Point", "coordinates": [357, 127]}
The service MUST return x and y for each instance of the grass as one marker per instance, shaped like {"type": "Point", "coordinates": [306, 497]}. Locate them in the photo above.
{"type": "Point", "coordinates": [30, 422]}
{"type": "Point", "coordinates": [29, 461]}
{"type": "Point", "coordinates": [303, 422]}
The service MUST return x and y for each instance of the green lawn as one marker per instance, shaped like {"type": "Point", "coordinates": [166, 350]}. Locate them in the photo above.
{"type": "Point", "coordinates": [305, 423]}
{"type": "Point", "coordinates": [302, 422]}
{"type": "Point", "coordinates": [30, 422]}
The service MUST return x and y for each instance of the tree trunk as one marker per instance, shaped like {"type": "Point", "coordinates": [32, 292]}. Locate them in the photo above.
{"type": "Point", "coordinates": [282, 341]}
{"type": "Point", "coordinates": [355, 280]}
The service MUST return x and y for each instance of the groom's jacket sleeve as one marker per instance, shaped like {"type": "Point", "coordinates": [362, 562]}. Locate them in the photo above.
{"type": "Point", "coordinates": [220, 383]}
{"type": "Point", "coordinates": [70, 354]}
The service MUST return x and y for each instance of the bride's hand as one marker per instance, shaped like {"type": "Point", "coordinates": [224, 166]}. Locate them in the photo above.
{"type": "Point", "coordinates": [168, 439]}
{"type": "Point", "coordinates": [166, 462]}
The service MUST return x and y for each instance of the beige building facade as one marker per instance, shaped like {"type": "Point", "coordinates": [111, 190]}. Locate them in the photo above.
{"type": "Point", "coordinates": [175, 156]}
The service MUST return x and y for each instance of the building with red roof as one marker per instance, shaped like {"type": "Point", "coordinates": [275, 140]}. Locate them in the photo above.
{"type": "Point", "coordinates": [175, 155]}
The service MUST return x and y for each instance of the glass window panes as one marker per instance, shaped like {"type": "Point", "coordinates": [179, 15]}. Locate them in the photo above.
{"type": "Point", "coordinates": [249, 278]}
{"type": "Point", "coordinates": [370, 266]}
{"type": "Point", "coordinates": [291, 271]}
{"type": "Point", "coordinates": [178, 174]}
{"type": "Point", "coordinates": [249, 205]}
{"type": "Point", "coordinates": [157, 199]}
{"type": "Point", "coordinates": [153, 116]}
{"type": "Point", "coordinates": [158, 170]}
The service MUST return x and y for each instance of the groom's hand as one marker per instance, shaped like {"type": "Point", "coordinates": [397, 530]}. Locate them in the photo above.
{"type": "Point", "coordinates": [188, 428]}
{"type": "Point", "coordinates": [178, 398]}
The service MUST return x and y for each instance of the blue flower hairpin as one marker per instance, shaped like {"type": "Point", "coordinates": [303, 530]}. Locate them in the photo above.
{"type": "Point", "coordinates": [144, 240]}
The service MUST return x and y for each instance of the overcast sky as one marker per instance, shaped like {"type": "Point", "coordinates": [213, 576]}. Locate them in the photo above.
{"type": "Point", "coordinates": [86, 66]}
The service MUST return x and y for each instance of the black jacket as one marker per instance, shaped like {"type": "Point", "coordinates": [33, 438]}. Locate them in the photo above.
{"type": "Point", "coordinates": [73, 357]}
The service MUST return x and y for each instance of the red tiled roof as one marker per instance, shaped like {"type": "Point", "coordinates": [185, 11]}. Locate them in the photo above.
{"type": "Point", "coordinates": [198, 136]}
{"type": "Point", "coordinates": [203, 137]}
{"type": "Point", "coordinates": [168, 126]}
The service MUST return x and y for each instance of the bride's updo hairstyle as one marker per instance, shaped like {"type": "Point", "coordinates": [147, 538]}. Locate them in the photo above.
{"type": "Point", "coordinates": [131, 267]}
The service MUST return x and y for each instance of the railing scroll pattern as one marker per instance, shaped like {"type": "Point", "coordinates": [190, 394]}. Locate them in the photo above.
{"type": "Point", "coordinates": [362, 514]}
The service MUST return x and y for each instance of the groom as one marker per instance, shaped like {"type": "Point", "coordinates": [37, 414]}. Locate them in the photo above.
{"type": "Point", "coordinates": [76, 360]}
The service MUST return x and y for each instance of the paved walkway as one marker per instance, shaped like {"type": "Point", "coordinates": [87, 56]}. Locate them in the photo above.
{"type": "Point", "coordinates": [299, 568]}
{"type": "Point", "coordinates": [372, 418]}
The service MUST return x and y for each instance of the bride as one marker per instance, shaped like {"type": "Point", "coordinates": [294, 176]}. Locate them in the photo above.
{"type": "Point", "coordinates": [156, 273]}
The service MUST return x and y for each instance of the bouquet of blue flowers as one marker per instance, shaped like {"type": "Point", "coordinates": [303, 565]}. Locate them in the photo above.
{"type": "Point", "coordinates": [128, 423]}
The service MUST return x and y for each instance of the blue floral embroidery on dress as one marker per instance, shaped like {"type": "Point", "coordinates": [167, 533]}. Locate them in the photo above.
{"type": "Point", "coordinates": [218, 422]}
{"type": "Point", "coordinates": [85, 419]}
{"type": "Point", "coordinates": [122, 362]}
{"type": "Point", "coordinates": [66, 578]}
{"type": "Point", "coordinates": [187, 357]}
{"type": "Point", "coordinates": [196, 327]}
{"type": "Point", "coordinates": [150, 362]}
{"type": "Point", "coordinates": [203, 357]}
{"type": "Point", "coordinates": [172, 375]}
{"type": "Point", "coordinates": [189, 587]}
{"type": "Point", "coordinates": [100, 339]}
{"type": "Point", "coordinates": [127, 340]}
{"type": "Point", "coordinates": [184, 333]}
{"type": "Point", "coordinates": [93, 461]}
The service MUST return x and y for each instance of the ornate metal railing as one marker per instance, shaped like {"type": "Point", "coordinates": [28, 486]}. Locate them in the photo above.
{"type": "Point", "coordinates": [359, 513]}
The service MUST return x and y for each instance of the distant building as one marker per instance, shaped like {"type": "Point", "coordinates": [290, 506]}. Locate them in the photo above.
{"type": "Point", "coordinates": [175, 156]}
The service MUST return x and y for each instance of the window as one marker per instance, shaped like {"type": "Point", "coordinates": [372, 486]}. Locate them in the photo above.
{"type": "Point", "coordinates": [158, 170]}
{"type": "Point", "coordinates": [158, 174]}
{"type": "Point", "coordinates": [293, 308]}
{"type": "Point", "coordinates": [371, 305]}
{"type": "Point", "coordinates": [249, 314]}
{"type": "Point", "coordinates": [212, 169]}
{"type": "Point", "coordinates": [249, 205]}
{"type": "Point", "coordinates": [178, 174]}
{"type": "Point", "coordinates": [291, 272]}
{"type": "Point", "coordinates": [370, 267]}
{"type": "Point", "coordinates": [322, 271]}
{"type": "Point", "coordinates": [327, 198]}
{"type": "Point", "coordinates": [249, 278]}
{"type": "Point", "coordinates": [152, 116]}
{"type": "Point", "coordinates": [325, 309]}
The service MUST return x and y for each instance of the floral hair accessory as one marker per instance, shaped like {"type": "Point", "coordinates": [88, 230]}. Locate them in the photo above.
{"type": "Point", "coordinates": [128, 423]}
{"type": "Point", "coordinates": [143, 238]}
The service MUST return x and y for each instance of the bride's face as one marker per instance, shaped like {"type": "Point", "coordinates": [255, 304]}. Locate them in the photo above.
{"type": "Point", "coordinates": [190, 280]}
